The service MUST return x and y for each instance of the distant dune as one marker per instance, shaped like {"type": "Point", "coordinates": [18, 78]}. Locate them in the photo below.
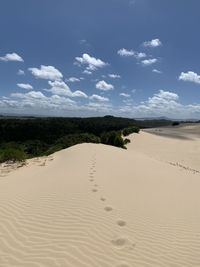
{"type": "Point", "coordinates": [100, 206]}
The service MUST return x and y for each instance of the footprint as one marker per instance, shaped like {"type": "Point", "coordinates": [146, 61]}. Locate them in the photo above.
{"type": "Point", "coordinates": [119, 241]}
{"type": "Point", "coordinates": [108, 208]}
{"type": "Point", "coordinates": [122, 242]}
{"type": "Point", "coordinates": [91, 180]}
{"type": "Point", "coordinates": [96, 185]}
{"type": "Point", "coordinates": [94, 190]}
{"type": "Point", "coordinates": [103, 199]}
{"type": "Point", "coordinates": [121, 223]}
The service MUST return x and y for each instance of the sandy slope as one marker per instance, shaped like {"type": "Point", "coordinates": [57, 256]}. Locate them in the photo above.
{"type": "Point", "coordinates": [97, 205]}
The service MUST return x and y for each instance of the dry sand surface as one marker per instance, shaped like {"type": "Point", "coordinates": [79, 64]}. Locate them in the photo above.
{"type": "Point", "coordinates": [100, 206]}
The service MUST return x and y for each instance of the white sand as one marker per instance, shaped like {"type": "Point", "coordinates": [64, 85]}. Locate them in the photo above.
{"type": "Point", "coordinates": [96, 206]}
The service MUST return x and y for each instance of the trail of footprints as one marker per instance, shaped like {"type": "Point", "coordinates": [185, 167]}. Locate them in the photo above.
{"type": "Point", "coordinates": [118, 241]}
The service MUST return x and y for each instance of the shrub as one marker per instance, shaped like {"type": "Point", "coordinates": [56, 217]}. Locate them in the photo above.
{"type": "Point", "coordinates": [112, 138]}
{"type": "Point", "coordinates": [35, 148]}
{"type": "Point", "coordinates": [71, 140]}
{"type": "Point", "coordinates": [126, 141]}
{"type": "Point", "coordinates": [12, 154]}
{"type": "Point", "coordinates": [175, 123]}
{"type": "Point", "coordinates": [129, 130]}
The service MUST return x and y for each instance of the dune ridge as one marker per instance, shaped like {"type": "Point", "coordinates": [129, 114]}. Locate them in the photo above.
{"type": "Point", "coordinates": [96, 205]}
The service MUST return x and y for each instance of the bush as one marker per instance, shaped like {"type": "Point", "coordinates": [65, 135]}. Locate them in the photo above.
{"type": "Point", "coordinates": [71, 140]}
{"type": "Point", "coordinates": [175, 123]}
{"type": "Point", "coordinates": [130, 130]}
{"type": "Point", "coordinates": [112, 138]}
{"type": "Point", "coordinates": [35, 148]}
{"type": "Point", "coordinates": [12, 154]}
{"type": "Point", "coordinates": [126, 141]}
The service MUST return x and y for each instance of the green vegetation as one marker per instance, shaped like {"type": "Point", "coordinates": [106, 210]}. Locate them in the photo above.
{"type": "Point", "coordinates": [126, 141]}
{"type": "Point", "coordinates": [12, 152]}
{"type": "Point", "coordinates": [175, 123]}
{"type": "Point", "coordinates": [112, 138]}
{"type": "Point", "coordinates": [130, 130]}
{"type": "Point", "coordinates": [22, 138]}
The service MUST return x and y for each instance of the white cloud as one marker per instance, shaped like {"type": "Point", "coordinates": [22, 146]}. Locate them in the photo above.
{"type": "Point", "coordinates": [99, 98]}
{"type": "Point", "coordinates": [163, 96]}
{"type": "Point", "coordinates": [148, 62]}
{"type": "Point", "coordinates": [46, 72]}
{"type": "Point", "coordinates": [87, 72]}
{"type": "Point", "coordinates": [79, 93]}
{"type": "Point", "coordinates": [156, 71]}
{"type": "Point", "coordinates": [35, 101]}
{"type": "Point", "coordinates": [153, 43]}
{"type": "Point", "coordinates": [131, 53]}
{"type": "Point", "coordinates": [114, 76]}
{"type": "Point", "coordinates": [32, 94]}
{"type": "Point", "coordinates": [162, 103]}
{"type": "Point", "coordinates": [125, 53]}
{"type": "Point", "coordinates": [26, 86]}
{"type": "Point", "coordinates": [90, 62]}
{"type": "Point", "coordinates": [61, 88]}
{"type": "Point", "coordinates": [102, 85]}
{"type": "Point", "coordinates": [73, 80]}
{"type": "Point", "coordinates": [83, 41]}
{"type": "Point", "coordinates": [100, 107]}
{"type": "Point", "coordinates": [190, 76]}
{"type": "Point", "coordinates": [12, 57]}
{"type": "Point", "coordinates": [20, 72]}
{"type": "Point", "coordinates": [124, 95]}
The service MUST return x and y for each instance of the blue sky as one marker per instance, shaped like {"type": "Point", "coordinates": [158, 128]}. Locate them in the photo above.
{"type": "Point", "coordinates": [134, 58]}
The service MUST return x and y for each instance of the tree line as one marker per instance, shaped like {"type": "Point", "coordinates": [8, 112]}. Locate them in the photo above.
{"type": "Point", "coordinates": [22, 138]}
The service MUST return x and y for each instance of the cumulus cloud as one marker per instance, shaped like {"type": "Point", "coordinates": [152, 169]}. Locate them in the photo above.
{"type": "Point", "coordinates": [153, 43]}
{"type": "Point", "coordinates": [114, 76]}
{"type": "Point", "coordinates": [125, 53]}
{"type": "Point", "coordinates": [148, 62]}
{"type": "Point", "coordinates": [26, 86]}
{"type": "Point", "coordinates": [20, 72]}
{"type": "Point", "coordinates": [31, 94]}
{"type": "Point", "coordinates": [104, 86]}
{"type": "Point", "coordinates": [190, 76]}
{"type": "Point", "coordinates": [73, 80]}
{"type": "Point", "coordinates": [99, 98]}
{"type": "Point", "coordinates": [124, 95]}
{"type": "Point", "coordinates": [100, 107]}
{"type": "Point", "coordinates": [162, 103]}
{"type": "Point", "coordinates": [61, 88]}
{"type": "Point", "coordinates": [37, 101]}
{"type": "Point", "coordinates": [90, 62]}
{"type": "Point", "coordinates": [87, 72]}
{"type": "Point", "coordinates": [12, 57]}
{"type": "Point", "coordinates": [131, 53]}
{"type": "Point", "coordinates": [46, 72]}
{"type": "Point", "coordinates": [156, 71]}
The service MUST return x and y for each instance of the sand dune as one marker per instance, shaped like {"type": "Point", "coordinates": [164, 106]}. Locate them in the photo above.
{"type": "Point", "coordinates": [96, 206]}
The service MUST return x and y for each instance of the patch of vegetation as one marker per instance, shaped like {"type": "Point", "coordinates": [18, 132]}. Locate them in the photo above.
{"type": "Point", "coordinates": [175, 123]}
{"type": "Point", "coordinates": [112, 138]}
{"type": "Point", "coordinates": [130, 130]}
{"type": "Point", "coordinates": [126, 141]}
{"type": "Point", "coordinates": [12, 154]}
{"type": "Point", "coordinates": [71, 140]}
